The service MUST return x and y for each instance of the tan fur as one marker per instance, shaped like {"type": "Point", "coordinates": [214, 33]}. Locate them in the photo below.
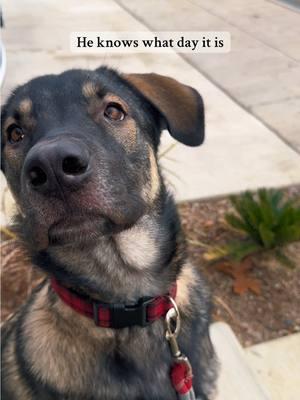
{"type": "Point", "coordinates": [127, 137]}
{"type": "Point", "coordinates": [151, 189]}
{"type": "Point", "coordinates": [187, 279]}
{"type": "Point", "coordinates": [137, 245]}
{"type": "Point", "coordinates": [11, 364]}
{"type": "Point", "coordinates": [25, 106]}
{"type": "Point", "coordinates": [89, 89]}
{"type": "Point", "coordinates": [54, 338]}
{"type": "Point", "coordinates": [27, 120]}
{"type": "Point", "coordinates": [125, 133]}
{"type": "Point", "coordinates": [21, 391]}
{"type": "Point", "coordinates": [155, 179]}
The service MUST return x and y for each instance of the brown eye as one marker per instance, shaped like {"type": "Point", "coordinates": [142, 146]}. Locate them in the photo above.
{"type": "Point", "coordinates": [15, 134]}
{"type": "Point", "coordinates": [114, 112]}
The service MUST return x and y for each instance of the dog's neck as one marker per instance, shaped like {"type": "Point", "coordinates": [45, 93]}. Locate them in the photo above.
{"type": "Point", "coordinates": [141, 261]}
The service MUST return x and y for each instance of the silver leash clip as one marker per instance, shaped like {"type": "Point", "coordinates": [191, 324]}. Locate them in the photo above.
{"type": "Point", "coordinates": [173, 325]}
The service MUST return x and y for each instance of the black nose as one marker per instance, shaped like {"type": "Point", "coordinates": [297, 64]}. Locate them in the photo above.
{"type": "Point", "coordinates": [56, 164]}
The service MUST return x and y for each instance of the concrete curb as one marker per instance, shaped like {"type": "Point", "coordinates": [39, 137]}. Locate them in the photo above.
{"type": "Point", "coordinates": [236, 380]}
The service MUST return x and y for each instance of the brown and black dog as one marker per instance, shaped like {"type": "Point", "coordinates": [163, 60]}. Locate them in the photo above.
{"type": "Point", "coordinates": [79, 151]}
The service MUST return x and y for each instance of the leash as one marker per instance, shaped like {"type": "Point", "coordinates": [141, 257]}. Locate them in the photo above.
{"type": "Point", "coordinates": [142, 313]}
{"type": "Point", "coordinates": [181, 371]}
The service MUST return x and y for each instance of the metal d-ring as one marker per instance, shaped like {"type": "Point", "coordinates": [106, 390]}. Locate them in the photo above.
{"type": "Point", "coordinates": [173, 316]}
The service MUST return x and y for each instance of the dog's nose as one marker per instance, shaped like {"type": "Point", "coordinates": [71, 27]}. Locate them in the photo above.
{"type": "Point", "coordinates": [56, 164]}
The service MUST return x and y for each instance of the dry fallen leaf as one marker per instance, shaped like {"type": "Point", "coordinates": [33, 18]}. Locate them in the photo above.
{"type": "Point", "coordinates": [240, 274]}
{"type": "Point", "coordinates": [244, 283]}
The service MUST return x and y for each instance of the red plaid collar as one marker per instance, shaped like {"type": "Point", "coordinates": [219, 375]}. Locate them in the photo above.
{"type": "Point", "coordinates": [117, 315]}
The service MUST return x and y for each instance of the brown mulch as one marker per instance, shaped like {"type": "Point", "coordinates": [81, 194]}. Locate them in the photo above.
{"type": "Point", "coordinates": [254, 318]}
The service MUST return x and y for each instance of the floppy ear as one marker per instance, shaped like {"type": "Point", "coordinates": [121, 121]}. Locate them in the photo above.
{"type": "Point", "coordinates": [180, 106]}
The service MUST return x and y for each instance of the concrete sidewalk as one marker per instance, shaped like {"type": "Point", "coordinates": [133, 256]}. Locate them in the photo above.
{"type": "Point", "coordinates": [262, 71]}
{"type": "Point", "coordinates": [274, 361]}
{"type": "Point", "coordinates": [240, 152]}
{"type": "Point", "coordinates": [267, 371]}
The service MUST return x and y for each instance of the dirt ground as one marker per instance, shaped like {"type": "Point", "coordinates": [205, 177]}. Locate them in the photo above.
{"type": "Point", "coordinates": [254, 318]}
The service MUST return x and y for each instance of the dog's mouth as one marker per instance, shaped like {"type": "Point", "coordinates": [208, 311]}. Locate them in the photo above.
{"type": "Point", "coordinates": [80, 220]}
{"type": "Point", "coordinates": [78, 229]}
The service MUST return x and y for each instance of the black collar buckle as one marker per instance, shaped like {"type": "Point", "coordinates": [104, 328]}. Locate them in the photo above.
{"type": "Point", "coordinates": [124, 316]}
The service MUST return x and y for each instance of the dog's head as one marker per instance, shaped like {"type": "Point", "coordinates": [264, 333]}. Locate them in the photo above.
{"type": "Point", "coordinates": [79, 149]}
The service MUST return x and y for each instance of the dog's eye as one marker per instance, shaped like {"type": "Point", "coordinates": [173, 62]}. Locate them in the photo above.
{"type": "Point", "coordinates": [15, 133]}
{"type": "Point", "coordinates": [114, 111]}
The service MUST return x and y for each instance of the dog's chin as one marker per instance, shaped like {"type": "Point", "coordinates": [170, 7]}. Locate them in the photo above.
{"type": "Point", "coordinates": [83, 230]}
{"type": "Point", "coordinates": [79, 230]}
{"type": "Point", "coordinates": [59, 227]}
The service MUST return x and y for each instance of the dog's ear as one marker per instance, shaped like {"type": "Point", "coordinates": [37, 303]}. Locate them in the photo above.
{"type": "Point", "coordinates": [181, 106]}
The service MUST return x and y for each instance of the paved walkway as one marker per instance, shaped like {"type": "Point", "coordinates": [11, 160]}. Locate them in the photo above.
{"type": "Point", "coordinates": [262, 72]}
{"type": "Point", "coordinates": [275, 361]}
{"type": "Point", "coordinates": [240, 152]}
{"type": "Point", "coordinates": [268, 371]}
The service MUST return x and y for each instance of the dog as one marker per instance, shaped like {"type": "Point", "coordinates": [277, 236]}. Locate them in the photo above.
{"type": "Point", "coordinates": [79, 151]}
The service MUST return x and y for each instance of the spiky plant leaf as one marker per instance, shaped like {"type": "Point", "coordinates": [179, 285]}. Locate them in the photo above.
{"type": "Point", "coordinates": [236, 223]}
{"type": "Point", "coordinates": [241, 209]}
{"type": "Point", "coordinates": [253, 209]}
{"type": "Point", "coordinates": [267, 236]}
{"type": "Point", "coordinates": [234, 250]}
{"type": "Point", "coordinates": [268, 221]}
{"type": "Point", "coordinates": [287, 234]}
{"type": "Point", "coordinates": [276, 198]}
{"type": "Point", "coordinates": [288, 215]}
{"type": "Point", "coordinates": [284, 259]}
{"type": "Point", "coordinates": [239, 250]}
{"type": "Point", "coordinates": [269, 213]}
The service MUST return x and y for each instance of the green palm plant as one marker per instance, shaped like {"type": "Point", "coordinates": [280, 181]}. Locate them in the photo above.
{"type": "Point", "coordinates": [267, 221]}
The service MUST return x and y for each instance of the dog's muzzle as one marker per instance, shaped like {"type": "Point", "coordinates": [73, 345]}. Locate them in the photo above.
{"type": "Point", "coordinates": [60, 163]}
